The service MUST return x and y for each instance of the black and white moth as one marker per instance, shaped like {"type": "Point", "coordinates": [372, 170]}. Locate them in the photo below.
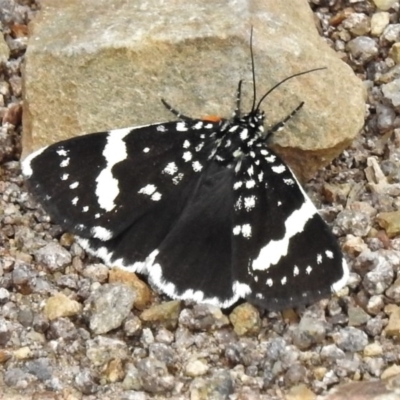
{"type": "Point", "coordinates": [203, 207]}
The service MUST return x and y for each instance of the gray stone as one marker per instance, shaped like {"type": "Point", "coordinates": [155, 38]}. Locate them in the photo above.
{"type": "Point", "coordinates": [102, 350]}
{"type": "Point", "coordinates": [164, 353]}
{"type": "Point", "coordinates": [219, 387]}
{"type": "Point", "coordinates": [25, 317]}
{"type": "Point", "coordinates": [85, 381]}
{"type": "Point", "coordinates": [391, 91]}
{"type": "Point", "coordinates": [203, 317]}
{"type": "Point", "coordinates": [132, 379]}
{"type": "Point", "coordinates": [17, 378]}
{"type": "Point", "coordinates": [331, 353]}
{"type": "Point", "coordinates": [352, 222]}
{"type": "Point", "coordinates": [4, 295]}
{"type": "Point", "coordinates": [351, 339]}
{"type": "Point", "coordinates": [108, 307]}
{"type": "Point", "coordinates": [53, 256]}
{"type": "Point", "coordinates": [310, 330]}
{"type": "Point", "coordinates": [63, 328]}
{"type": "Point", "coordinates": [41, 368]}
{"type": "Point", "coordinates": [154, 376]}
{"type": "Point", "coordinates": [22, 274]}
{"type": "Point", "coordinates": [275, 348]}
{"type": "Point", "coordinates": [295, 374]}
{"type": "Point", "coordinates": [363, 49]}
{"type": "Point", "coordinates": [392, 33]}
{"type": "Point", "coordinates": [5, 331]}
{"type": "Point", "coordinates": [357, 316]}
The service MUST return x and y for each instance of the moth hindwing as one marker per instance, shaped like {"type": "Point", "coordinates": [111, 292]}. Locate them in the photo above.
{"type": "Point", "coordinates": [203, 207]}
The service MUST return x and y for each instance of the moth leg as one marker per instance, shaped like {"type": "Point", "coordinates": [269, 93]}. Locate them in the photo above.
{"type": "Point", "coordinates": [175, 112]}
{"type": "Point", "coordinates": [282, 123]}
{"type": "Point", "coordinates": [236, 113]}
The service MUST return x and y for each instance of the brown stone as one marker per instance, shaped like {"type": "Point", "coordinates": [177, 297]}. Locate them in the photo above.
{"type": "Point", "coordinates": [143, 292]}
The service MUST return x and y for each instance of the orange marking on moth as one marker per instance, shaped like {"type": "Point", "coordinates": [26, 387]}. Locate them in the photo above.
{"type": "Point", "coordinates": [212, 118]}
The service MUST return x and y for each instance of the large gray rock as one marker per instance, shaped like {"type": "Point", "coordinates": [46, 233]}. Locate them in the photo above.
{"type": "Point", "coordinates": [100, 65]}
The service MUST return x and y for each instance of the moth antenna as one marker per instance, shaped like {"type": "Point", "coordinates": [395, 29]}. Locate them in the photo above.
{"type": "Point", "coordinates": [283, 81]}
{"type": "Point", "coordinates": [253, 71]}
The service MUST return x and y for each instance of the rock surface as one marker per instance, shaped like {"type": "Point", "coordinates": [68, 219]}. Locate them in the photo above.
{"type": "Point", "coordinates": [114, 74]}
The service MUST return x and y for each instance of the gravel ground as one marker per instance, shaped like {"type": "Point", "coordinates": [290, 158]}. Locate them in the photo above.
{"type": "Point", "coordinates": [69, 329]}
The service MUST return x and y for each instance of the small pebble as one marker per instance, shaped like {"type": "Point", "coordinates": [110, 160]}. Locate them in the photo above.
{"type": "Point", "coordinates": [196, 367]}
{"type": "Point", "coordinates": [53, 256]}
{"type": "Point", "coordinates": [350, 339]}
{"type": "Point", "coordinates": [60, 305]}
{"type": "Point", "coordinates": [165, 313]}
{"type": "Point", "coordinates": [245, 319]}
{"type": "Point", "coordinates": [108, 307]}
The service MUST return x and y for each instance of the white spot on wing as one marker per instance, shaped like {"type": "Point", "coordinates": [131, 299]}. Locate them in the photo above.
{"type": "Point", "coordinates": [62, 152]}
{"type": "Point", "coordinates": [197, 167]}
{"type": "Point", "coordinates": [161, 128]}
{"type": "Point", "coordinates": [187, 156]}
{"type": "Point", "coordinates": [234, 128]}
{"type": "Point", "coordinates": [156, 196]}
{"type": "Point", "coordinates": [237, 229]}
{"type": "Point", "coordinates": [289, 181]}
{"type": "Point", "coordinates": [271, 158]}
{"type": "Point", "coordinates": [198, 125]}
{"type": "Point", "coordinates": [146, 150]}
{"type": "Point", "coordinates": [244, 134]}
{"type": "Point", "coordinates": [319, 258]}
{"type": "Point", "coordinates": [238, 166]}
{"type": "Point", "coordinates": [64, 177]}
{"type": "Point", "coordinates": [148, 189]}
{"type": "Point", "coordinates": [181, 126]}
{"type": "Point", "coordinates": [278, 169]}
{"type": "Point", "coordinates": [101, 233]}
{"type": "Point", "coordinates": [246, 231]}
{"type": "Point", "coordinates": [249, 203]}
{"type": "Point", "coordinates": [241, 289]}
{"type": "Point", "coordinates": [176, 179]}
{"type": "Point", "coordinates": [170, 169]}
{"type": "Point", "coordinates": [75, 201]}
{"type": "Point", "coordinates": [329, 254]}
{"type": "Point", "coordinates": [107, 188]}
{"type": "Point", "coordinates": [238, 204]}
{"type": "Point", "coordinates": [74, 185]}
{"type": "Point", "coordinates": [64, 163]}
{"type": "Point", "coordinates": [250, 183]}
{"type": "Point", "coordinates": [199, 146]}
{"type": "Point", "coordinates": [237, 185]}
